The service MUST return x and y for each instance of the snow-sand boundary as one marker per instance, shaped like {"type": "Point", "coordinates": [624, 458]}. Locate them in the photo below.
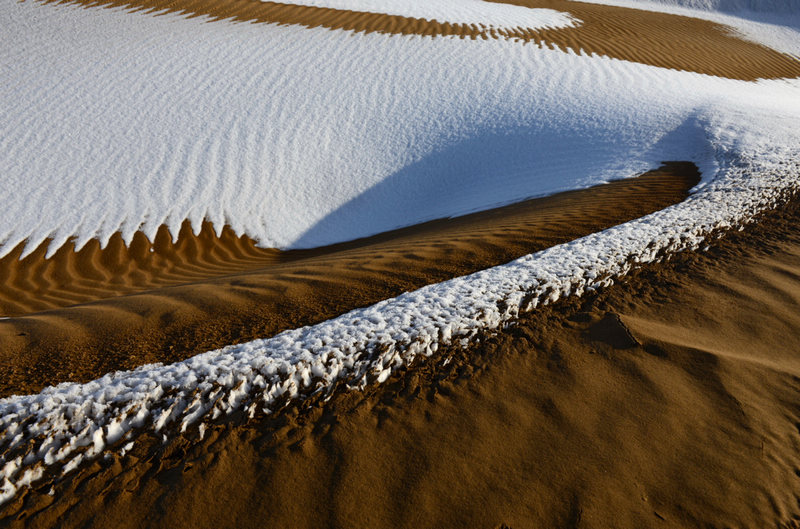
{"type": "Point", "coordinates": [427, 253]}
{"type": "Point", "coordinates": [63, 426]}
{"type": "Point", "coordinates": [689, 42]}
{"type": "Point", "coordinates": [114, 93]}
{"type": "Point", "coordinates": [770, 23]}
{"type": "Point", "coordinates": [482, 15]}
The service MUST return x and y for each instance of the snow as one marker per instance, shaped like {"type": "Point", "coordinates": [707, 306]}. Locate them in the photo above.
{"type": "Point", "coordinates": [771, 7]}
{"type": "Point", "coordinates": [299, 137]}
{"type": "Point", "coordinates": [367, 345]}
{"type": "Point", "coordinates": [481, 14]}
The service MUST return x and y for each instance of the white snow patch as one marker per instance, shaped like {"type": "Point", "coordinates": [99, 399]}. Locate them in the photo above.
{"type": "Point", "coordinates": [477, 13]}
{"type": "Point", "coordinates": [304, 137]}
{"type": "Point", "coordinates": [128, 447]}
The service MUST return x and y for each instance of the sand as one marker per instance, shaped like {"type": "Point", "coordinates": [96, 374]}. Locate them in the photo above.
{"type": "Point", "coordinates": [658, 39]}
{"type": "Point", "coordinates": [225, 290]}
{"type": "Point", "coordinates": [667, 400]}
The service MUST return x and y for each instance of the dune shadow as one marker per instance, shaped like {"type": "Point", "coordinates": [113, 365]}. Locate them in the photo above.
{"type": "Point", "coordinates": [495, 169]}
{"type": "Point", "coordinates": [478, 173]}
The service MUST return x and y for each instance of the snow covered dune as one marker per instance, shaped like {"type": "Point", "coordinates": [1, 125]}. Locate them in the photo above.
{"type": "Point", "coordinates": [58, 429]}
{"type": "Point", "coordinates": [774, 23]}
{"type": "Point", "coordinates": [302, 137]}
{"type": "Point", "coordinates": [790, 7]}
{"type": "Point", "coordinates": [477, 13]}
{"type": "Point", "coordinates": [297, 137]}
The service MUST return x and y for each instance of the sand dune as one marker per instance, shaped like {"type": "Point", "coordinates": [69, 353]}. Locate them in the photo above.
{"type": "Point", "coordinates": [647, 37]}
{"type": "Point", "coordinates": [36, 283]}
{"type": "Point", "coordinates": [585, 414]}
{"type": "Point", "coordinates": [740, 7]}
{"type": "Point", "coordinates": [266, 291]}
{"type": "Point", "coordinates": [670, 399]}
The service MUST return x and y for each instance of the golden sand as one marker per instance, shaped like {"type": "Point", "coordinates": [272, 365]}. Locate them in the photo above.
{"type": "Point", "coordinates": [667, 400]}
{"type": "Point", "coordinates": [225, 290]}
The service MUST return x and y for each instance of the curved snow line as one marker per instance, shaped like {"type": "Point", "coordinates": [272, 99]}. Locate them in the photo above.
{"type": "Point", "coordinates": [121, 122]}
{"type": "Point", "coordinates": [283, 133]}
{"type": "Point", "coordinates": [772, 7]}
{"type": "Point", "coordinates": [478, 13]}
{"type": "Point", "coordinates": [70, 423]}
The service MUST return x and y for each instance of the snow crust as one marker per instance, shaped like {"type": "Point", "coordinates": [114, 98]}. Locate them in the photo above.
{"type": "Point", "coordinates": [486, 15]}
{"type": "Point", "coordinates": [304, 136]}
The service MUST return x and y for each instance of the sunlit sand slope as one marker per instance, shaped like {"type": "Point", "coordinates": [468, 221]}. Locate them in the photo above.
{"type": "Point", "coordinates": [267, 291]}
{"type": "Point", "coordinates": [611, 411]}
{"type": "Point", "coordinates": [117, 127]}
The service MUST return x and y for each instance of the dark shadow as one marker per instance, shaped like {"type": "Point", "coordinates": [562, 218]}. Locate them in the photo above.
{"type": "Point", "coordinates": [496, 169]}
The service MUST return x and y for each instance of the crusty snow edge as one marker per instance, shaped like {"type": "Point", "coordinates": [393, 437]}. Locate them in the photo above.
{"type": "Point", "coordinates": [65, 425]}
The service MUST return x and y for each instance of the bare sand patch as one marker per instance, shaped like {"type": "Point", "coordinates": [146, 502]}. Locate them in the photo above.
{"type": "Point", "coordinates": [213, 303]}
{"type": "Point", "coordinates": [587, 413]}
{"type": "Point", "coordinates": [658, 39]}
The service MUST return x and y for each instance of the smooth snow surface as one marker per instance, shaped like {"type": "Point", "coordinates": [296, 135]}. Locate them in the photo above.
{"type": "Point", "coordinates": [472, 12]}
{"type": "Point", "coordinates": [299, 137]}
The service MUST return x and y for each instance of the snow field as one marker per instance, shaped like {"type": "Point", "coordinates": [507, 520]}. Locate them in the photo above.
{"type": "Point", "coordinates": [304, 137]}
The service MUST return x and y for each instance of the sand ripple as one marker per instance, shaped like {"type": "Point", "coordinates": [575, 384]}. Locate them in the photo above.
{"type": "Point", "coordinates": [225, 290]}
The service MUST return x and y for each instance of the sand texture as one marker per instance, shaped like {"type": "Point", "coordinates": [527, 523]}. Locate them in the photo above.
{"type": "Point", "coordinates": [259, 292]}
{"type": "Point", "coordinates": [668, 400]}
{"type": "Point", "coordinates": [658, 39]}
